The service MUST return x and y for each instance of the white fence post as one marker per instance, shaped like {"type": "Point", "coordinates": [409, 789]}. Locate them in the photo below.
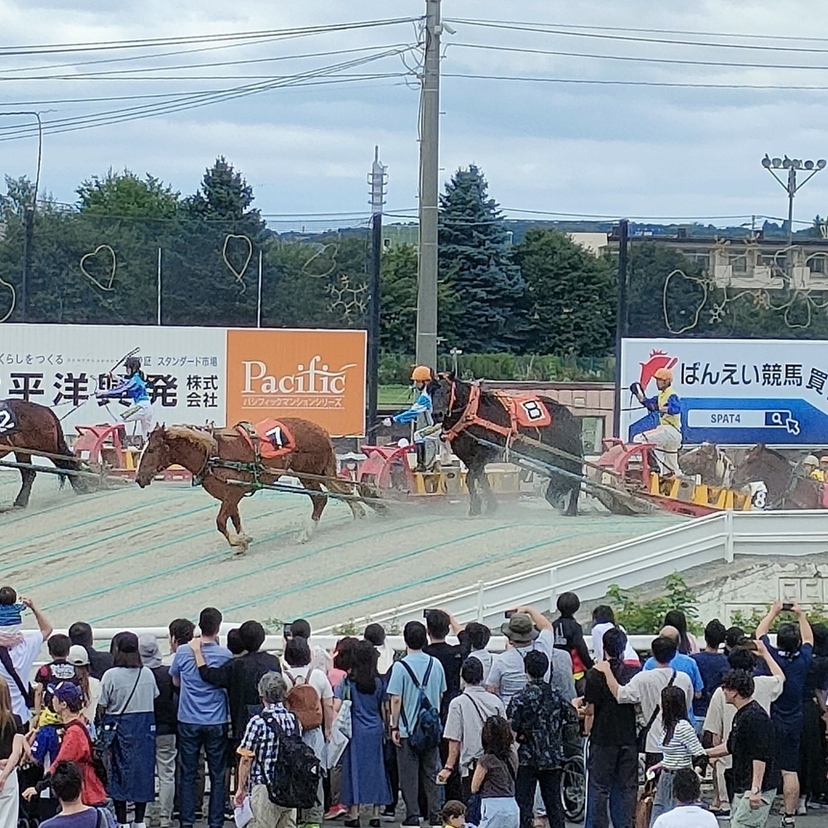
{"type": "Point", "coordinates": [553, 573]}
{"type": "Point", "coordinates": [481, 596]}
{"type": "Point", "coordinates": [728, 528]}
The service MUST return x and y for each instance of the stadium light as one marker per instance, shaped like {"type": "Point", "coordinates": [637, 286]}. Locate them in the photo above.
{"type": "Point", "coordinates": [791, 186]}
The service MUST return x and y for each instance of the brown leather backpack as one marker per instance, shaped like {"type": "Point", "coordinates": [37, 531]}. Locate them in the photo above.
{"type": "Point", "coordinates": [304, 702]}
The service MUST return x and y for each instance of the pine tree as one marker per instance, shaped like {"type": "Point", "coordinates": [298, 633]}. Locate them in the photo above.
{"type": "Point", "coordinates": [475, 264]}
{"type": "Point", "coordinates": [570, 295]}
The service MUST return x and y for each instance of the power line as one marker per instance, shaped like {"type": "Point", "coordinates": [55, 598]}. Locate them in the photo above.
{"type": "Point", "coordinates": [667, 84]}
{"type": "Point", "coordinates": [92, 46]}
{"type": "Point", "coordinates": [635, 59]}
{"type": "Point", "coordinates": [544, 29]}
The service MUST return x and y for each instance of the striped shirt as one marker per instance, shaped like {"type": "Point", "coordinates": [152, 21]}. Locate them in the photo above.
{"type": "Point", "coordinates": [683, 746]}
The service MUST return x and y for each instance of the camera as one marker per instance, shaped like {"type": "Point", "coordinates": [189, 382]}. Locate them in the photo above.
{"type": "Point", "coordinates": [508, 613]}
{"type": "Point", "coordinates": [787, 606]}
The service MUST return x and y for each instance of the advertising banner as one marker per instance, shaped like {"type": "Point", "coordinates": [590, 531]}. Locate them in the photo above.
{"type": "Point", "coordinates": [735, 391]}
{"type": "Point", "coordinates": [194, 375]}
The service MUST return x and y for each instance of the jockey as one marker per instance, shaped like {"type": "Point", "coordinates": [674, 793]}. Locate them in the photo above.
{"type": "Point", "coordinates": [666, 436]}
{"type": "Point", "coordinates": [134, 386]}
{"type": "Point", "coordinates": [810, 467]}
{"type": "Point", "coordinates": [419, 413]}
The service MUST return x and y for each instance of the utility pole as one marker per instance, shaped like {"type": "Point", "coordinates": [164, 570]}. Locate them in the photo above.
{"type": "Point", "coordinates": [28, 244]}
{"type": "Point", "coordinates": [620, 320]}
{"type": "Point", "coordinates": [429, 190]}
{"type": "Point", "coordinates": [377, 179]}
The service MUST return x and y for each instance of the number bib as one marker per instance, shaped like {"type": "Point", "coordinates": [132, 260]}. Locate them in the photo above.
{"type": "Point", "coordinates": [8, 423]}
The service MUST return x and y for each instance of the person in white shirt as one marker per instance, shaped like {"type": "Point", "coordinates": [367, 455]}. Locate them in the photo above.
{"type": "Point", "coordinates": [603, 619]}
{"type": "Point", "coordinates": [686, 814]}
{"type": "Point", "coordinates": [645, 689]}
{"type": "Point", "coordinates": [375, 634]}
{"type": "Point", "coordinates": [719, 719]}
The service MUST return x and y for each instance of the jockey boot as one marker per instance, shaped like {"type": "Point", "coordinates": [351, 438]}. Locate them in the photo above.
{"type": "Point", "coordinates": [421, 457]}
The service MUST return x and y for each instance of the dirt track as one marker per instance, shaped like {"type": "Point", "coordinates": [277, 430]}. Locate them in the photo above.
{"type": "Point", "coordinates": [143, 557]}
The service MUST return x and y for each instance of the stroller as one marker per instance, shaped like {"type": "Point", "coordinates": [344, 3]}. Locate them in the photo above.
{"type": "Point", "coordinates": [574, 776]}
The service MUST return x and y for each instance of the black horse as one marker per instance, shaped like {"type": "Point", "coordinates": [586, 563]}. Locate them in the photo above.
{"type": "Point", "coordinates": [451, 398]}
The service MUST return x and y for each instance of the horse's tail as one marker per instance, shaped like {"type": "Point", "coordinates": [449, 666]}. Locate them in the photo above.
{"type": "Point", "coordinates": [68, 461]}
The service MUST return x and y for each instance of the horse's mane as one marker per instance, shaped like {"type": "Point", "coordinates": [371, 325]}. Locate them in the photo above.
{"type": "Point", "coordinates": [195, 436]}
{"type": "Point", "coordinates": [773, 453]}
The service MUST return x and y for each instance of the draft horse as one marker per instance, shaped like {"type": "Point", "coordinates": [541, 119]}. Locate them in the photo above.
{"type": "Point", "coordinates": [27, 429]}
{"type": "Point", "coordinates": [216, 456]}
{"type": "Point", "coordinates": [470, 412]}
{"type": "Point", "coordinates": [787, 489]}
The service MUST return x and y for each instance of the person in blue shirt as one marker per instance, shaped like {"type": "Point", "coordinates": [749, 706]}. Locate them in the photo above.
{"type": "Point", "coordinates": [420, 413]}
{"type": "Point", "coordinates": [793, 652]}
{"type": "Point", "coordinates": [712, 664]}
{"type": "Point", "coordinates": [203, 715]}
{"type": "Point", "coordinates": [134, 387]}
{"type": "Point", "coordinates": [666, 436]}
{"type": "Point", "coordinates": [681, 663]}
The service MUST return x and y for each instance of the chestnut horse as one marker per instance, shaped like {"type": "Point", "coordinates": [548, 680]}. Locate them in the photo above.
{"type": "Point", "coordinates": [786, 488]}
{"type": "Point", "coordinates": [27, 429]}
{"type": "Point", "coordinates": [196, 449]}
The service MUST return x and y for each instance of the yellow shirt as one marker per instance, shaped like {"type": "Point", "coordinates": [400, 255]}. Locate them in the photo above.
{"type": "Point", "coordinates": [668, 419]}
{"type": "Point", "coordinates": [817, 474]}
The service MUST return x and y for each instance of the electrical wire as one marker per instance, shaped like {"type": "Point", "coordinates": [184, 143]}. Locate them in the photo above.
{"type": "Point", "coordinates": [614, 82]}
{"type": "Point", "coordinates": [634, 59]}
{"type": "Point", "coordinates": [92, 46]}
{"type": "Point", "coordinates": [543, 29]}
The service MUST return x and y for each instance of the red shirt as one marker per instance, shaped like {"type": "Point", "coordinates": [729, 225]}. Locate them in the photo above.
{"type": "Point", "coordinates": [76, 747]}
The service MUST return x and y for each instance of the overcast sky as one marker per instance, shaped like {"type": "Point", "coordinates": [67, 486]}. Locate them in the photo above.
{"type": "Point", "coordinates": [573, 148]}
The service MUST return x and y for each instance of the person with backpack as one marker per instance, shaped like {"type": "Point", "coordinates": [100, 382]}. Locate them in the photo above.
{"type": "Point", "coordinates": [277, 770]}
{"type": "Point", "coordinates": [310, 699]}
{"type": "Point", "coordinates": [415, 687]}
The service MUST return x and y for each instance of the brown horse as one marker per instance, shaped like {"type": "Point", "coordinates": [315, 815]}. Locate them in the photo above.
{"type": "Point", "coordinates": [786, 488]}
{"type": "Point", "coordinates": [710, 463]}
{"type": "Point", "coordinates": [202, 452]}
{"type": "Point", "coordinates": [27, 429]}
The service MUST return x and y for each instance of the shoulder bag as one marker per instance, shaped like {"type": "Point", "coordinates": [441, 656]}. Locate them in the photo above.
{"type": "Point", "coordinates": [106, 734]}
{"type": "Point", "coordinates": [8, 666]}
{"type": "Point", "coordinates": [641, 738]}
{"type": "Point", "coordinates": [342, 728]}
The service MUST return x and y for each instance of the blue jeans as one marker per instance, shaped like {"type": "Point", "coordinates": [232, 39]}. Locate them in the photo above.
{"type": "Point", "coordinates": [191, 738]}
{"type": "Point", "coordinates": [612, 785]}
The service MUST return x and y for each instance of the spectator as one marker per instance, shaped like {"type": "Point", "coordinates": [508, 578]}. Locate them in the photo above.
{"type": "Point", "coordinates": [613, 755]}
{"type": "Point", "coordinates": [319, 655]}
{"type": "Point", "coordinates": [569, 637]}
{"type": "Point", "coordinates": [813, 755]}
{"type": "Point", "coordinates": [341, 660]}
{"type": "Point", "coordinates": [686, 813]}
{"type": "Point", "coordinates": [181, 632]}
{"type": "Point", "coordinates": [687, 641]}
{"type": "Point", "coordinates": [234, 642]}
{"type": "Point", "coordinates": [467, 714]}
{"type": "Point", "coordinates": [426, 672]}
{"type": "Point", "coordinates": [680, 747]}
{"type": "Point", "coordinates": [712, 666]}
{"type": "Point", "coordinates": [76, 747]}
{"type": "Point", "coordinates": [603, 619]}
{"type": "Point", "coordinates": [364, 781]}
{"type": "Point", "coordinates": [645, 688]}
{"type": "Point", "coordinates": [91, 687]}
{"type": "Point", "coordinates": [540, 718]}
{"type": "Point", "coordinates": [299, 671]}
{"type": "Point", "coordinates": [734, 637]}
{"type": "Point", "coordinates": [48, 676]}
{"type": "Point", "coordinates": [239, 676]}
{"type": "Point", "coordinates": [258, 750]}
{"type": "Point", "coordinates": [202, 721]}
{"type": "Point", "coordinates": [793, 653]}
{"type": "Point", "coordinates": [18, 651]}
{"type": "Point", "coordinates": [751, 744]}
{"type": "Point", "coordinates": [681, 662]}
{"type": "Point", "coordinates": [719, 719]}
{"type": "Point", "coordinates": [128, 694]}
{"type": "Point", "coordinates": [11, 751]}
{"type": "Point", "coordinates": [67, 783]}
{"type": "Point", "coordinates": [474, 639]}
{"type": "Point", "coordinates": [494, 776]}
{"type": "Point", "coordinates": [528, 630]}
{"type": "Point", "coordinates": [375, 633]}
{"type": "Point", "coordinates": [166, 725]}
{"type": "Point", "coordinates": [454, 814]}
{"type": "Point", "coordinates": [80, 633]}
{"type": "Point", "coordinates": [438, 624]}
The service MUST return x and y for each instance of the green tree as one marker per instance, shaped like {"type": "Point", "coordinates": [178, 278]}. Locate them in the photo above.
{"type": "Point", "coordinates": [125, 195]}
{"type": "Point", "coordinates": [570, 295]}
{"type": "Point", "coordinates": [475, 263]}
{"type": "Point", "coordinates": [398, 299]}
{"type": "Point", "coordinates": [224, 195]}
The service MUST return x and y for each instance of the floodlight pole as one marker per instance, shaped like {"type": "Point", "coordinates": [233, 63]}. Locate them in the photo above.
{"type": "Point", "coordinates": [791, 186]}
{"type": "Point", "coordinates": [377, 180]}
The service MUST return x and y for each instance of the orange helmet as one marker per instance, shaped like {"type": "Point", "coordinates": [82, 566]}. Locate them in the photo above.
{"type": "Point", "coordinates": [664, 374]}
{"type": "Point", "coordinates": [422, 373]}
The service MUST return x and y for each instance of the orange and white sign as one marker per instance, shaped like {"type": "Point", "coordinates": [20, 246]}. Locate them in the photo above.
{"type": "Point", "coordinates": [317, 375]}
{"type": "Point", "coordinates": [194, 375]}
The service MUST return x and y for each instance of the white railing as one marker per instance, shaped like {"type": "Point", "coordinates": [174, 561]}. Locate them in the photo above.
{"type": "Point", "coordinates": [628, 563]}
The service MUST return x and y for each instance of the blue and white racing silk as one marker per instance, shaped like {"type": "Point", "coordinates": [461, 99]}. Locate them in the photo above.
{"type": "Point", "coordinates": [420, 412]}
{"type": "Point", "coordinates": [134, 387]}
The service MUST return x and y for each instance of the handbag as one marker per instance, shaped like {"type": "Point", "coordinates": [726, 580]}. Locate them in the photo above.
{"type": "Point", "coordinates": [8, 666]}
{"type": "Point", "coordinates": [641, 737]}
{"type": "Point", "coordinates": [341, 730]}
{"type": "Point", "coordinates": [106, 733]}
{"type": "Point", "coordinates": [644, 805]}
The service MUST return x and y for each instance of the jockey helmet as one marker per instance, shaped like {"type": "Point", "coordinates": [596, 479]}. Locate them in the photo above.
{"type": "Point", "coordinates": [422, 373]}
{"type": "Point", "coordinates": [664, 374]}
{"type": "Point", "coordinates": [810, 460]}
{"type": "Point", "coordinates": [132, 364]}
{"type": "Point", "coordinates": [823, 459]}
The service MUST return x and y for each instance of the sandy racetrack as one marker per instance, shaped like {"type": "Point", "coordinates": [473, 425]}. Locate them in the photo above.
{"type": "Point", "coordinates": [142, 557]}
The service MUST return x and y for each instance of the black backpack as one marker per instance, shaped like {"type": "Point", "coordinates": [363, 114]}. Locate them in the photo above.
{"type": "Point", "coordinates": [427, 729]}
{"type": "Point", "coordinates": [296, 770]}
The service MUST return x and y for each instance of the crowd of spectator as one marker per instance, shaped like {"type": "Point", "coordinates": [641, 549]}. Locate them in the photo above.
{"type": "Point", "coordinates": [447, 733]}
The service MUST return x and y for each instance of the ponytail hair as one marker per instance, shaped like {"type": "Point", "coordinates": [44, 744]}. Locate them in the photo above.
{"type": "Point", "coordinates": [615, 644]}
